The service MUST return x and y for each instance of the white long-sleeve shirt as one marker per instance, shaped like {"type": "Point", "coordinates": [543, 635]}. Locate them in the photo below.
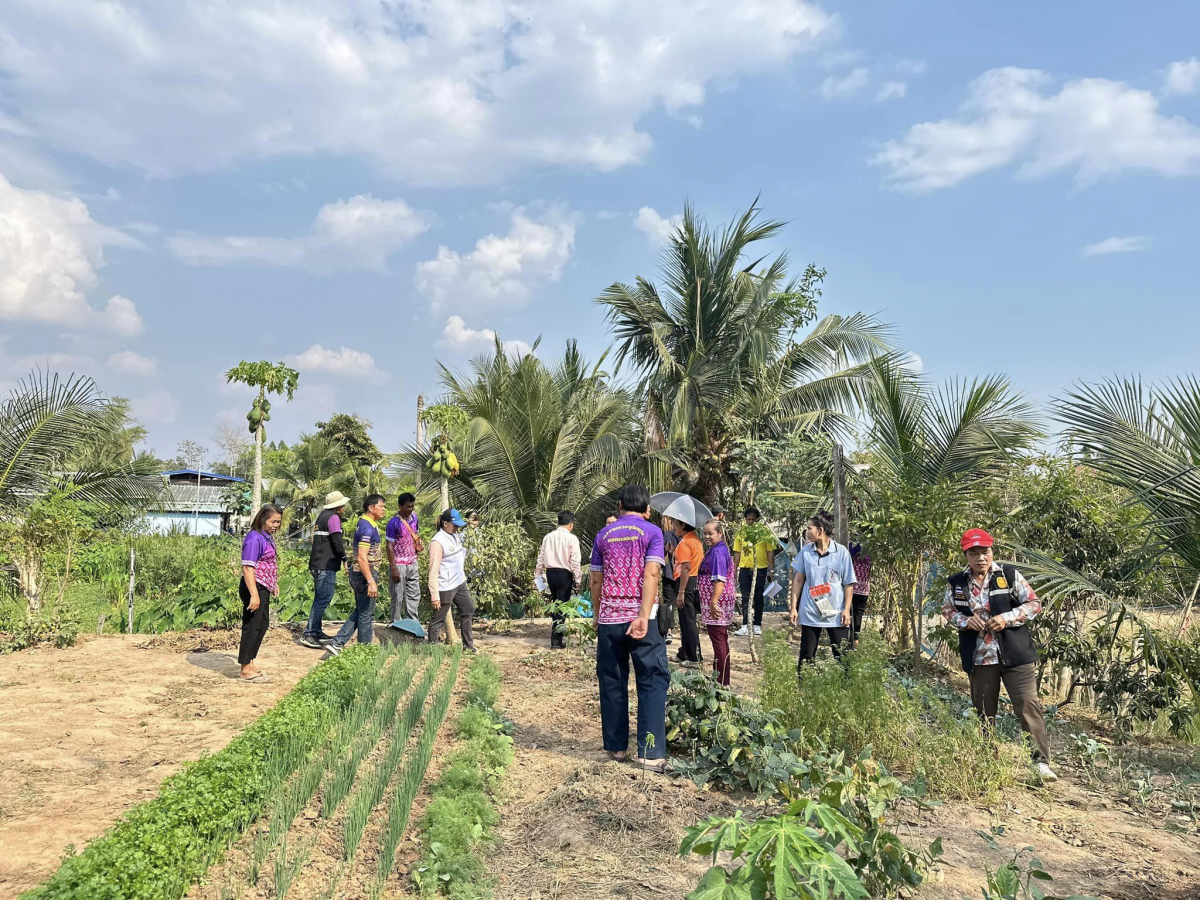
{"type": "Point", "coordinates": [560, 550]}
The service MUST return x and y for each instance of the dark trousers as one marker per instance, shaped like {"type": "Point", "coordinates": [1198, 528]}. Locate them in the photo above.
{"type": "Point", "coordinates": [1021, 684]}
{"type": "Point", "coordinates": [666, 609]}
{"type": "Point", "coordinates": [857, 611]}
{"type": "Point", "coordinates": [461, 598]}
{"type": "Point", "coordinates": [254, 623]}
{"type": "Point", "coordinates": [324, 585]}
{"type": "Point", "coordinates": [719, 635]}
{"type": "Point", "coordinates": [560, 582]}
{"type": "Point", "coordinates": [614, 651]}
{"type": "Point", "coordinates": [810, 639]}
{"type": "Point", "coordinates": [689, 629]}
{"type": "Point", "coordinates": [745, 576]}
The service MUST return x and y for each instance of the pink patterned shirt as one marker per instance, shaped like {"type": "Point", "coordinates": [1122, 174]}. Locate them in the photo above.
{"type": "Point", "coordinates": [716, 567]}
{"type": "Point", "coordinates": [258, 550]}
{"type": "Point", "coordinates": [621, 551]}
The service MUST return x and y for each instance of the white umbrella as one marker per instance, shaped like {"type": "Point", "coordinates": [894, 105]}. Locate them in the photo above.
{"type": "Point", "coordinates": [681, 507]}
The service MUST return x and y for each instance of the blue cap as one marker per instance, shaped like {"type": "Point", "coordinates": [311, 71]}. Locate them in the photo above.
{"type": "Point", "coordinates": [457, 519]}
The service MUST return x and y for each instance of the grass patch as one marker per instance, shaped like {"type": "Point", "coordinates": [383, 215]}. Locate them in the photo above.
{"type": "Point", "coordinates": [860, 703]}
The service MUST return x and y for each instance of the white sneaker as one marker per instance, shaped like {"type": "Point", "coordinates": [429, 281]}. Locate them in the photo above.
{"type": "Point", "coordinates": [758, 629]}
{"type": "Point", "coordinates": [742, 632]}
{"type": "Point", "coordinates": [1046, 773]}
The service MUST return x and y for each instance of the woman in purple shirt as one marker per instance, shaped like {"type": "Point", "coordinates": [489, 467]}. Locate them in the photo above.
{"type": "Point", "coordinates": [260, 579]}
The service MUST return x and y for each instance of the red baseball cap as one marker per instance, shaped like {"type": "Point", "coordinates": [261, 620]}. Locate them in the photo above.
{"type": "Point", "coordinates": [976, 537]}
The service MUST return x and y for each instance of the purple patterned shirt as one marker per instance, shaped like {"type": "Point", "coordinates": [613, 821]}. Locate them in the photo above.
{"type": "Point", "coordinates": [258, 550]}
{"type": "Point", "coordinates": [716, 567]}
{"type": "Point", "coordinates": [400, 539]}
{"type": "Point", "coordinates": [621, 551]}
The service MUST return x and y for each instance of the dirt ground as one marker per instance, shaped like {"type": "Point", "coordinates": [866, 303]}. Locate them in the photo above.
{"type": "Point", "coordinates": [89, 731]}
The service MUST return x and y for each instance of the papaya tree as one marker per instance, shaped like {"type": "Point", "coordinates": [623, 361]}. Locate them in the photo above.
{"type": "Point", "coordinates": [269, 378]}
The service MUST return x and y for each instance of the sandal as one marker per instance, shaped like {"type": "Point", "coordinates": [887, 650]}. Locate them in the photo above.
{"type": "Point", "coordinates": [616, 756]}
{"type": "Point", "coordinates": [258, 678]}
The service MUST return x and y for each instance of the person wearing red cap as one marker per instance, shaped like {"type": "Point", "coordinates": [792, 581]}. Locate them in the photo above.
{"type": "Point", "coordinates": [990, 605]}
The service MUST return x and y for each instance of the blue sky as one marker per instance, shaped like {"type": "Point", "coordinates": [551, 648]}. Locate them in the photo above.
{"type": "Point", "coordinates": [365, 190]}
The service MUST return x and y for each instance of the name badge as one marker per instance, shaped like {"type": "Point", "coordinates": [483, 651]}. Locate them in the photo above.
{"type": "Point", "coordinates": [819, 590]}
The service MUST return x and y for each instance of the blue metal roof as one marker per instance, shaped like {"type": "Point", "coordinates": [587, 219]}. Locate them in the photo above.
{"type": "Point", "coordinates": [202, 474]}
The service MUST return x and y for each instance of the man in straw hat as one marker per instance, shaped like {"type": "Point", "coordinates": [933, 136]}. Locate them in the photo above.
{"type": "Point", "coordinates": [327, 557]}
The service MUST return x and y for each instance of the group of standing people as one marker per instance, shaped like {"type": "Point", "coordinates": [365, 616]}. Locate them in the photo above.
{"type": "Point", "coordinates": [398, 543]}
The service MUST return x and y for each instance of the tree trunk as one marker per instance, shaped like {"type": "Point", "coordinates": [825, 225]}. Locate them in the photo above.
{"type": "Point", "coordinates": [918, 617]}
{"type": "Point", "coordinates": [445, 495]}
{"type": "Point", "coordinates": [29, 570]}
{"type": "Point", "coordinates": [256, 502]}
{"type": "Point", "coordinates": [841, 526]}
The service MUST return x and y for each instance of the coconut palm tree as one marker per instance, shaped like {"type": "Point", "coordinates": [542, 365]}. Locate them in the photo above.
{"type": "Point", "coordinates": [305, 473]}
{"type": "Point", "coordinates": [50, 429]}
{"type": "Point", "coordinates": [539, 438]}
{"type": "Point", "coordinates": [718, 353]}
{"type": "Point", "coordinates": [931, 451]}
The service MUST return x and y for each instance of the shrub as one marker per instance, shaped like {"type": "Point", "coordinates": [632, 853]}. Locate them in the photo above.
{"type": "Point", "coordinates": [860, 703]}
{"type": "Point", "coordinates": [161, 846]}
{"type": "Point", "coordinates": [52, 624]}
{"type": "Point", "coordinates": [500, 560]}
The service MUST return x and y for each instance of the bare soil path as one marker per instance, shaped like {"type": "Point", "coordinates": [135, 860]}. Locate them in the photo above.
{"type": "Point", "coordinates": [89, 731]}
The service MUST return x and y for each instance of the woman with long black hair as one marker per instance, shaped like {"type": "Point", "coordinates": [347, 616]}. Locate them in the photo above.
{"type": "Point", "coordinates": [260, 579]}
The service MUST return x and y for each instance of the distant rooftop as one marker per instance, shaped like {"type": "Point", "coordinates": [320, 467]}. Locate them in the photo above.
{"type": "Point", "coordinates": [194, 473]}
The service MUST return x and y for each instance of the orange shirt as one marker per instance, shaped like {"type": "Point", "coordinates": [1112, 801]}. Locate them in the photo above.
{"type": "Point", "coordinates": [689, 554]}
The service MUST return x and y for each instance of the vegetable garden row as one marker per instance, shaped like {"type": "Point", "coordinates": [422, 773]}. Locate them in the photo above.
{"type": "Point", "coordinates": [313, 799]}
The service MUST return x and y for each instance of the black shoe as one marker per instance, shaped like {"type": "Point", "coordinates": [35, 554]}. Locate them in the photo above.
{"type": "Point", "coordinates": [311, 642]}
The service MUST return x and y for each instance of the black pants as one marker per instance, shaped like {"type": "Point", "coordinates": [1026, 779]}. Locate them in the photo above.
{"type": "Point", "coordinates": [666, 609]}
{"type": "Point", "coordinates": [254, 623]}
{"type": "Point", "coordinates": [560, 582]}
{"type": "Point", "coordinates": [810, 639]}
{"type": "Point", "coordinates": [689, 628]}
{"type": "Point", "coordinates": [857, 611]}
{"type": "Point", "coordinates": [615, 650]}
{"type": "Point", "coordinates": [745, 576]}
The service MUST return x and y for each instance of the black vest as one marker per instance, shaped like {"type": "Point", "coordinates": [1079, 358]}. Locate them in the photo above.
{"type": "Point", "coordinates": [326, 556]}
{"type": "Point", "coordinates": [1015, 641]}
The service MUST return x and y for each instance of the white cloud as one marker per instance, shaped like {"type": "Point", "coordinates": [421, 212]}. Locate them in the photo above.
{"type": "Point", "coordinates": [457, 335]}
{"type": "Point", "coordinates": [1092, 127]}
{"type": "Point", "coordinates": [1182, 77]}
{"type": "Point", "coordinates": [361, 232]}
{"type": "Point", "coordinates": [50, 250]}
{"type": "Point", "coordinates": [134, 364]}
{"type": "Point", "coordinates": [838, 88]}
{"type": "Point", "coordinates": [343, 361]}
{"type": "Point", "coordinates": [913, 364]}
{"type": "Point", "coordinates": [1131, 244]}
{"type": "Point", "coordinates": [501, 271]}
{"type": "Point", "coordinates": [655, 227]}
{"type": "Point", "coordinates": [911, 66]}
{"type": "Point", "coordinates": [891, 90]}
{"type": "Point", "coordinates": [142, 227]}
{"type": "Point", "coordinates": [157, 406]}
{"type": "Point", "coordinates": [445, 91]}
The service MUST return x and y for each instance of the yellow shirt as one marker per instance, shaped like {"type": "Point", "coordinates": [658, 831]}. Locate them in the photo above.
{"type": "Point", "coordinates": [757, 560]}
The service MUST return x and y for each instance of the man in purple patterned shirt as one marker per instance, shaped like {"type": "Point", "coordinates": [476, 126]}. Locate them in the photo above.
{"type": "Point", "coordinates": [627, 561]}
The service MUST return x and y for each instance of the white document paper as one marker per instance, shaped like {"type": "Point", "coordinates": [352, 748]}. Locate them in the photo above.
{"type": "Point", "coordinates": [772, 589]}
{"type": "Point", "coordinates": [826, 608]}
{"type": "Point", "coordinates": [540, 583]}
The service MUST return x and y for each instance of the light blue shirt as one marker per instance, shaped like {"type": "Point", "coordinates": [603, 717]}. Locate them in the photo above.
{"type": "Point", "coordinates": [836, 569]}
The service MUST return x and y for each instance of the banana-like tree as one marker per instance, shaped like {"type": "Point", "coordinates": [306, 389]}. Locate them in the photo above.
{"type": "Point", "coordinates": [49, 430]}
{"type": "Point", "coordinates": [931, 451]}
{"type": "Point", "coordinates": [269, 378]}
{"type": "Point", "coordinates": [539, 438]}
{"type": "Point", "coordinates": [718, 348]}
